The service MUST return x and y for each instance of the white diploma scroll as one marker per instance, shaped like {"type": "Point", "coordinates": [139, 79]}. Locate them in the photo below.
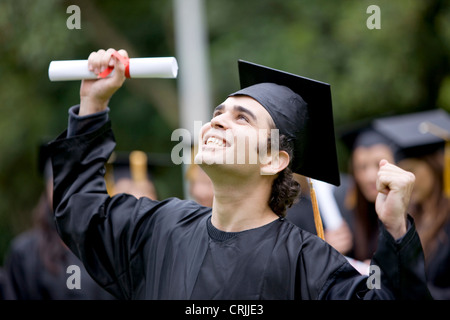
{"type": "Point", "coordinates": [329, 210]}
{"type": "Point", "coordinates": [66, 70]}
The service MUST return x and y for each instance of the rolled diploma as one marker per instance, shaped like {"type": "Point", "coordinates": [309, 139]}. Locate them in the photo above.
{"type": "Point", "coordinates": [66, 70]}
{"type": "Point", "coordinates": [329, 209]}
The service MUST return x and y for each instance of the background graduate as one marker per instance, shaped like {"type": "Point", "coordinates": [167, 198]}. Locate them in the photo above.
{"type": "Point", "coordinates": [242, 247]}
{"type": "Point", "coordinates": [358, 192]}
{"type": "Point", "coordinates": [37, 261]}
{"type": "Point", "coordinates": [426, 153]}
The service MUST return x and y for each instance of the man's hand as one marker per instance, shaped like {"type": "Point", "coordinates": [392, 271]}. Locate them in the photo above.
{"type": "Point", "coordinates": [95, 94]}
{"type": "Point", "coordinates": [394, 186]}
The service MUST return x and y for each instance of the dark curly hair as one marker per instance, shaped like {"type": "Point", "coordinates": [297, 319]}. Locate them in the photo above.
{"type": "Point", "coordinates": [285, 189]}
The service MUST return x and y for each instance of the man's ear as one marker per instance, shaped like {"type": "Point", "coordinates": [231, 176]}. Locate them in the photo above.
{"type": "Point", "coordinates": [275, 163]}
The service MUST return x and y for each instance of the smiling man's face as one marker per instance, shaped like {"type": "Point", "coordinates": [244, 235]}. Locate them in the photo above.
{"type": "Point", "coordinates": [237, 126]}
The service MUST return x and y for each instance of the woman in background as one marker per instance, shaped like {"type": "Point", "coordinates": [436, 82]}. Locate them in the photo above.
{"type": "Point", "coordinates": [357, 194]}
{"type": "Point", "coordinates": [431, 211]}
{"type": "Point", "coordinates": [37, 263]}
{"type": "Point", "coordinates": [423, 140]}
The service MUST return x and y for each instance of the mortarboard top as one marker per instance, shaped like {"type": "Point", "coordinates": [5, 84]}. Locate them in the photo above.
{"type": "Point", "coordinates": [362, 134]}
{"type": "Point", "coordinates": [416, 134]}
{"type": "Point", "coordinates": [301, 109]}
{"type": "Point", "coordinates": [419, 134]}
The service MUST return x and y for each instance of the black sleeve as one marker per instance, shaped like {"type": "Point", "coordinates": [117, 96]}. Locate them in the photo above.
{"type": "Point", "coordinates": [397, 272]}
{"type": "Point", "coordinates": [402, 264]}
{"type": "Point", "coordinates": [101, 230]}
{"type": "Point", "coordinates": [83, 124]}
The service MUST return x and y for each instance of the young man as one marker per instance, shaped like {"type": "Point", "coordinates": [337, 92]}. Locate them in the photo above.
{"type": "Point", "coordinates": [242, 247]}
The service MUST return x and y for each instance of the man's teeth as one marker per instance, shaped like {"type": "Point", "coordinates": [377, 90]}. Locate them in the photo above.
{"type": "Point", "coordinates": [213, 140]}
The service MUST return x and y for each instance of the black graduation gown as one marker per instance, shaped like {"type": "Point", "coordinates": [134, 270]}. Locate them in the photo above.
{"type": "Point", "coordinates": [145, 249]}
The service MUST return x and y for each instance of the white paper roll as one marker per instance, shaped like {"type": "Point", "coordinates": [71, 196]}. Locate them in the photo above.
{"type": "Point", "coordinates": [153, 67]}
{"type": "Point", "coordinates": [329, 210]}
{"type": "Point", "coordinates": [66, 70]}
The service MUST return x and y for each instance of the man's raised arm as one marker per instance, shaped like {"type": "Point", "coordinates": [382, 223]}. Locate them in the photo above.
{"type": "Point", "coordinates": [87, 218]}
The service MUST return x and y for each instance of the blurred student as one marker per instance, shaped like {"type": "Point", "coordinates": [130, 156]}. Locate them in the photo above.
{"type": "Point", "coordinates": [357, 194]}
{"type": "Point", "coordinates": [130, 173]}
{"type": "Point", "coordinates": [5, 286]}
{"type": "Point", "coordinates": [39, 265]}
{"type": "Point", "coordinates": [424, 149]}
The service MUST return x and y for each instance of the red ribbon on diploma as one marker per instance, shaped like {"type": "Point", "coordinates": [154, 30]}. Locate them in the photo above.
{"type": "Point", "coordinates": [125, 61]}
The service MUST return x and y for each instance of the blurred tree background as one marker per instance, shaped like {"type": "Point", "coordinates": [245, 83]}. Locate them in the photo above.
{"type": "Point", "coordinates": [402, 67]}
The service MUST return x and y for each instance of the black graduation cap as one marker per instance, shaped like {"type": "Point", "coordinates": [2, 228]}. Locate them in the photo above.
{"type": "Point", "coordinates": [301, 109]}
{"type": "Point", "coordinates": [362, 133]}
{"type": "Point", "coordinates": [418, 134]}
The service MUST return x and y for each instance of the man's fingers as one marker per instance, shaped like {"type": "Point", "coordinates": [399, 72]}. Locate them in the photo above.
{"type": "Point", "coordinates": [392, 177]}
{"type": "Point", "coordinates": [123, 53]}
{"type": "Point", "coordinates": [117, 63]}
{"type": "Point", "coordinates": [394, 187]}
{"type": "Point", "coordinates": [383, 162]}
{"type": "Point", "coordinates": [99, 61]}
{"type": "Point", "coordinates": [383, 184]}
{"type": "Point", "coordinates": [94, 61]}
{"type": "Point", "coordinates": [105, 59]}
{"type": "Point", "coordinates": [91, 59]}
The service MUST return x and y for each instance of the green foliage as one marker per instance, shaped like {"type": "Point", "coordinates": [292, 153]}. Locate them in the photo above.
{"type": "Point", "coordinates": [402, 67]}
